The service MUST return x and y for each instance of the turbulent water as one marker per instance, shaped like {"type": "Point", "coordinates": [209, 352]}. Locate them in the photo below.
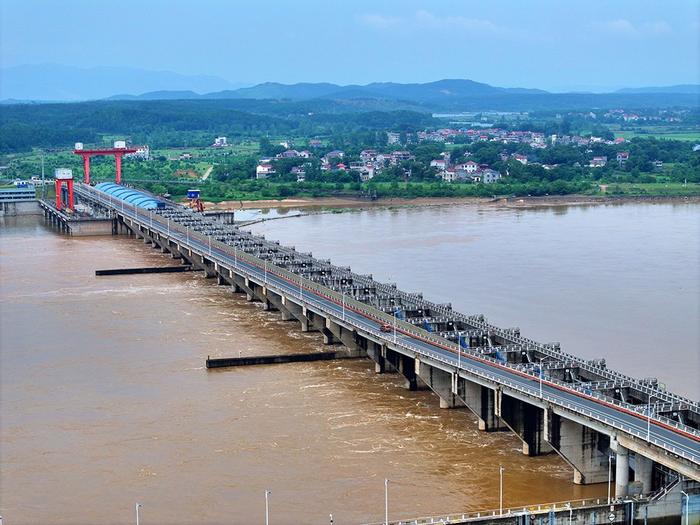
{"type": "Point", "coordinates": [105, 400]}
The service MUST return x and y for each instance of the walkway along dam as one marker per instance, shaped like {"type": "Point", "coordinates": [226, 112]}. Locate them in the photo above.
{"type": "Point", "coordinates": [603, 423]}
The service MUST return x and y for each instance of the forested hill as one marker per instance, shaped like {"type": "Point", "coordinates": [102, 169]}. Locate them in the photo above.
{"type": "Point", "coordinates": [185, 122]}
{"type": "Point", "coordinates": [179, 123]}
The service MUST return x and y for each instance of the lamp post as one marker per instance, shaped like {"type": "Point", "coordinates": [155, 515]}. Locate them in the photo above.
{"type": "Point", "coordinates": [610, 458]}
{"type": "Point", "coordinates": [649, 422]}
{"type": "Point", "coordinates": [500, 490]}
{"type": "Point", "coordinates": [687, 510]}
{"type": "Point", "coordinates": [343, 293]}
{"type": "Point", "coordinates": [541, 359]}
{"type": "Point", "coordinates": [386, 502]}
{"type": "Point", "coordinates": [267, 507]}
{"type": "Point", "coordinates": [138, 507]}
{"type": "Point", "coordinates": [459, 352]}
{"type": "Point", "coordinates": [43, 193]}
{"type": "Point", "coordinates": [394, 327]}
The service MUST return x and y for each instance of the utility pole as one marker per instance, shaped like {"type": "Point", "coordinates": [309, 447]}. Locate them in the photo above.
{"type": "Point", "coordinates": [267, 507]}
{"type": "Point", "coordinates": [610, 458]}
{"type": "Point", "coordinates": [138, 507]}
{"type": "Point", "coordinates": [500, 491]}
{"type": "Point", "coordinates": [687, 501]}
{"type": "Point", "coordinates": [386, 502]}
{"type": "Point", "coordinates": [541, 358]}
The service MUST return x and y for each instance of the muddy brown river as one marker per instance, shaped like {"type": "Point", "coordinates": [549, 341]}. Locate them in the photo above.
{"type": "Point", "coordinates": [105, 400]}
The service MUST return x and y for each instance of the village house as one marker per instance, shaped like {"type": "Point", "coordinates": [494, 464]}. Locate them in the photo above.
{"type": "Point", "coordinates": [289, 154]}
{"type": "Point", "coordinates": [400, 156]}
{"type": "Point", "coordinates": [392, 137]}
{"type": "Point", "coordinates": [219, 142]}
{"type": "Point", "coordinates": [335, 154]}
{"type": "Point", "coordinates": [598, 162]}
{"type": "Point", "coordinates": [264, 170]}
{"type": "Point", "coordinates": [367, 173]}
{"type": "Point", "coordinates": [368, 155]}
{"type": "Point", "coordinates": [300, 173]}
{"type": "Point", "coordinates": [440, 164]}
{"type": "Point", "coordinates": [449, 175]}
{"type": "Point", "coordinates": [142, 152]}
{"type": "Point", "coordinates": [622, 157]}
{"type": "Point", "coordinates": [382, 159]}
{"type": "Point", "coordinates": [489, 176]}
{"type": "Point", "coordinates": [522, 159]}
{"type": "Point", "coordinates": [470, 166]}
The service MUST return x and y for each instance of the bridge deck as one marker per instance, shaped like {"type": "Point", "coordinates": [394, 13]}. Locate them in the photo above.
{"type": "Point", "coordinates": [657, 431]}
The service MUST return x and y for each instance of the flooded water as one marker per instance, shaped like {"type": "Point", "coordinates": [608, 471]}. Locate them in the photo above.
{"type": "Point", "coordinates": [105, 400]}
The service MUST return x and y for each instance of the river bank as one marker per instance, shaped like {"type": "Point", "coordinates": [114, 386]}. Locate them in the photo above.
{"type": "Point", "coordinates": [515, 202]}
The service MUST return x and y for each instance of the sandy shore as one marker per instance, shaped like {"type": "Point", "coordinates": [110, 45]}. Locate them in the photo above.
{"type": "Point", "coordinates": [517, 202]}
{"type": "Point", "coordinates": [336, 202]}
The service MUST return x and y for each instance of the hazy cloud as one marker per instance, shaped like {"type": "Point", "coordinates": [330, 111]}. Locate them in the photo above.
{"type": "Point", "coordinates": [625, 28]}
{"type": "Point", "coordinates": [426, 20]}
{"type": "Point", "coordinates": [378, 21]}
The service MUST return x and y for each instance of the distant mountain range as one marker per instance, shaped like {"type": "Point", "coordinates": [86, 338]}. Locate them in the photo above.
{"type": "Point", "coordinates": [52, 82]}
{"type": "Point", "coordinates": [688, 89]}
{"type": "Point", "coordinates": [66, 83]}
{"type": "Point", "coordinates": [422, 93]}
{"type": "Point", "coordinates": [442, 95]}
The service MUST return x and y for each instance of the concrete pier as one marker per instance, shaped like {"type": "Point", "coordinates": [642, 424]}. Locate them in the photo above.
{"type": "Point", "coordinates": [223, 362]}
{"type": "Point", "coordinates": [153, 269]}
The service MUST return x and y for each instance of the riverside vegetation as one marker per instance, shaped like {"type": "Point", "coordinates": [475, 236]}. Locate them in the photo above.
{"type": "Point", "coordinates": [180, 133]}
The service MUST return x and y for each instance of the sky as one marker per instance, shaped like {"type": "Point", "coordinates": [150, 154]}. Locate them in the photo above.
{"type": "Point", "coordinates": [557, 45]}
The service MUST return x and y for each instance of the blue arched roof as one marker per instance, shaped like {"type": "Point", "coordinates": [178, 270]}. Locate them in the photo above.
{"type": "Point", "coordinates": [129, 195]}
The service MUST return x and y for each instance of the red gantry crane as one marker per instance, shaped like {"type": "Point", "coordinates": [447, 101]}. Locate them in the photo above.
{"type": "Point", "coordinates": [119, 150]}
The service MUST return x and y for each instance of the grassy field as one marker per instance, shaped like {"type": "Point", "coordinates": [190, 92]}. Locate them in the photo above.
{"type": "Point", "coordinates": [671, 189]}
{"type": "Point", "coordinates": [675, 135]}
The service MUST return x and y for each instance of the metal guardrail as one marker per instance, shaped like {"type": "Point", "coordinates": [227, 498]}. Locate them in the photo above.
{"type": "Point", "coordinates": [215, 249]}
{"type": "Point", "coordinates": [510, 512]}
